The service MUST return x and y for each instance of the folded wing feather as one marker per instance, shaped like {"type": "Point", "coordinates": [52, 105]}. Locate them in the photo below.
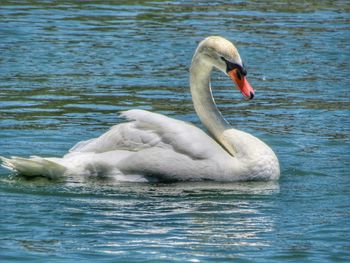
{"type": "Point", "coordinates": [147, 130]}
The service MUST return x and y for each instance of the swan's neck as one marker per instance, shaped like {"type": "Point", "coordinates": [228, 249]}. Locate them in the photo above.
{"type": "Point", "coordinates": [204, 103]}
{"type": "Point", "coordinates": [253, 157]}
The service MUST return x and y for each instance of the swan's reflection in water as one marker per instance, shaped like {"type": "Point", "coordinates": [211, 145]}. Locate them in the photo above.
{"type": "Point", "coordinates": [190, 218]}
{"type": "Point", "coordinates": [203, 220]}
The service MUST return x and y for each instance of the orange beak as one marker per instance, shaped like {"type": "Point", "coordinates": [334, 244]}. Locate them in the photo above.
{"type": "Point", "coordinates": [242, 83]}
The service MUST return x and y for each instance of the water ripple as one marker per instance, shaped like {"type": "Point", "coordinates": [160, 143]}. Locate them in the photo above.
{"type": "Point", "coordinates": [67, 68]}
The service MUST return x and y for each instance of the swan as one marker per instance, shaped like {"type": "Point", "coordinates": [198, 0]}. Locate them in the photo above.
{"type": "Point", "coordinates": [153, 147]}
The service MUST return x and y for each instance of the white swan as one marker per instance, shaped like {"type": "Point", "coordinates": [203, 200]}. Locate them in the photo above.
{"type": "Point", "coordinates": [155, 147]}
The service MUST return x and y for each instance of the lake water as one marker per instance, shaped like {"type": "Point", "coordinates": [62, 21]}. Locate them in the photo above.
{"type": "Point", "coordinates": [67, 68]}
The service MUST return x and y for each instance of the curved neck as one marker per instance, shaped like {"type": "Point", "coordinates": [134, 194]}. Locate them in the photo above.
{"type": "Point", "coordinates": [204, 103]}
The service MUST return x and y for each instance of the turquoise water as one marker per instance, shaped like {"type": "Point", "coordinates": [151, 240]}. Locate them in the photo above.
{"type": "Point", "coordinates": [67, 68]}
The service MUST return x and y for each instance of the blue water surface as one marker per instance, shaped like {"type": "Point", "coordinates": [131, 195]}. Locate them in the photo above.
{"type": "Point", "coordinates": [67, 68]}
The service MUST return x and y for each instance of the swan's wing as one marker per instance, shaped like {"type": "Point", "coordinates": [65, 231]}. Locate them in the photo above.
{"type": "Point", "coordinates": [125, 136]}
{"type": "Point", "coordinates": [177, 135]}
{"type": "Point", "coordinates": [148, 130]}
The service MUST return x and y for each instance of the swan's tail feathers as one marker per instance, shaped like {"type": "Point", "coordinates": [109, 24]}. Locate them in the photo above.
{"type": "Point", "coordinates": [34, 166]}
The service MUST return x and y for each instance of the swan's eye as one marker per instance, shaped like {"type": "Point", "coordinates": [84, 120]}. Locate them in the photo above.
{"type": "Point", "coordinates": [239, 75]}
{"type": "Point", "coordinates": [244, 71]}
{"type": "Point", "coordinates": [241, 71]}
{"type": "Point", "coordinates": [229, 65]}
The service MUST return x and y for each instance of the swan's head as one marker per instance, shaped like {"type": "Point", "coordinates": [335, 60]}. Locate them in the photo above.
{"type": "Point", "coordinates": [223, 55]}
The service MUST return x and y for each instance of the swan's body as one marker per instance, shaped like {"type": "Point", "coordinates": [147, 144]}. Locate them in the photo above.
{"type": "Point", "coordinates": [155, 147]}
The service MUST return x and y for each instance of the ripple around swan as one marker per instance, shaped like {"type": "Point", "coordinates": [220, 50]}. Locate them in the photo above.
{"type": "Point", "coordinates": [68, 68]}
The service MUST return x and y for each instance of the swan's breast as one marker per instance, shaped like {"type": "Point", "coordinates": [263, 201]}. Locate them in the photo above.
{"type": "Point", "coordinates": [264, 166]}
